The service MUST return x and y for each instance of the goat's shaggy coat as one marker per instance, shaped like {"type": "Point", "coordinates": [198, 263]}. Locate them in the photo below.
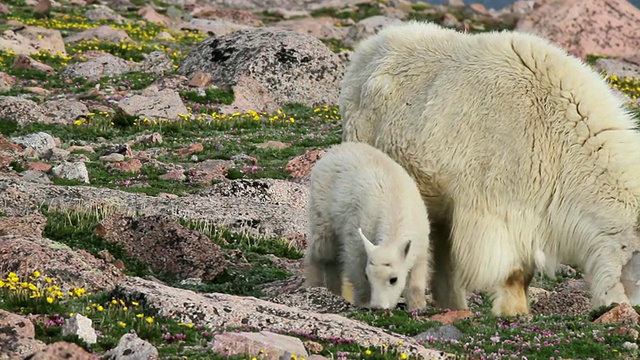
{"type": "Point", "coordinates": [523, 155]}
{"type": "Point", "coordinates": [368, 223]}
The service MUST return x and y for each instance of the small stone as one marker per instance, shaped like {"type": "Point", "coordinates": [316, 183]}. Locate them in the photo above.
{"type": "Point", "coordinates": [39, 166]}
{"type": "Point", "coordinates": [56, 154]}
{"type": "Point", "coordinates": [629, 346]}
{"type": "Point", "coordinates": [61, 350]}
{"type": "Point", "coordinates": [209, 170]}
{"type": "Point", "coordinates": [292, 292]}
{"type": "Point", "coordinates": [200, 79]}
{"type": "Point", "coordinates": [300, 166]}
{"type": "Point", "coordinates": [114, 157]}
{"type": "Point", "coordinates": [65, 111]}
{"type": "Point", "coordinates": [191, 149]}
{"type": "Point", "coordinates": [161, 105]}
{"type": "Point", "coordinates": [106, 255]}
{"type": "Point", "coordinates": [450, 21]}
{"type": "Point", "coordinates": [244, 158]}
{"type": "Point", "coordinates": [82, 327]}
{"type": "Point", "coordinates": [124, 149]}
{"type": "Point", "coordinates": [442, 333]}
{"type": "Point", "coordinates": [313, 347]}
{"type": "Point", "coordinates": [71, 171]}
{"type": "Point", "coordinates": [17, 336]}
{"type": "Point", "coordinates": [96, 68]}
{"type": "Point", "coordinates": [35, 176]}
{"type": "Point", "coordinates": [86, 148]}
{"type": "Point", "coordinates": [102, 12]}
{"type": "Point", "coordinates": [24, 62]}
{"type": "Point", "coordinates": [536, 294]}
{"type": "Point", "coordinates": [175, 175]}
{"type": "Point", "coordinates": [621, 314]}
{"type": "Point", "coordinates": [367, 27]}
{"type": "Point", "coordinates": [103, 32]}
{"type": "Point", "coordinates": [131, 346]}
{"type": "Point", "coordinates": [131, 166]}
{"type": "Point", "coordinates": [191, 281]}
{"type": "Point", "coordinates": [626, 331]}
{"type": "Point", "coordinates": [451, 317]}
{"type": "Point", "coordinates": [249, 95]}
{"type": "Point", "coordinates": [454, 3]}
{"type": "Point", "coordinates": [164, 36]}
{"type": "Point", "coordinates": [156, 62]}
{"type": "Point", "coordinates": [271, 144]}
{"type": "Point", "coordinates": [155, 138]}
{"type": "Point", "coordinates": [119, 264]}
{"type": "Point", "coordinates": [23, 111]}
{"type": "Point", "coordinates": [8, 145]}
{"type": "Point", "coordinates": [149, 14]}
{"type": "Point", "coordinates": [41, 142]}
{"type": "Point", "coordinates": [37, 90]}
{"type": "Point", "coordinates": [479, 8]}
{"type": "Point", "coordinates": [275, 346]}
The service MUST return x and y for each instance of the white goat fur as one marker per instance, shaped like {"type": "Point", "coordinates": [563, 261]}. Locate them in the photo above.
{"type": "Point", "coordinates": [368, 223]}
{"type": "Point", "coordinates": [523, 155]}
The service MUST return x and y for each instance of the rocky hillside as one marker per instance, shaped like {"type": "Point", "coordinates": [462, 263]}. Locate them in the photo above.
{"type": "Point", "coordinates": [153, 182]}
{"type": "Point", "coordinates": [491, 4]}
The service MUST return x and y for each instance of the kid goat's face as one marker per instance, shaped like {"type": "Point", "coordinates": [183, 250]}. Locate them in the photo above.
{"type": "Point", "coordinates": [386, 271]}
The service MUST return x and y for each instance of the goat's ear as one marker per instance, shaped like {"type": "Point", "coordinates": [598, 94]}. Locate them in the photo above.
{"type": "Point", "coordinates": [630, 278]}
{"type": "Point", "coordinates": [407, 246]}
{"type": "Point", "coordinates": [368, 246]}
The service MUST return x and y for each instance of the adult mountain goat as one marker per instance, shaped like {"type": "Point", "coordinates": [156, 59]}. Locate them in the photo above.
{"type": "Point", "coordinates": [523, 156]}
{"type": "Point", "coordinates": [368, 223]}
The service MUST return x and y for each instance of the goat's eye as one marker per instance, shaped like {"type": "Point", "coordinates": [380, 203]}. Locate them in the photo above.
{"type": "Point", "coordinates": [393, 280]}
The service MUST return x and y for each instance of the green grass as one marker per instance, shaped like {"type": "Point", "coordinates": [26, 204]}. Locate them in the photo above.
{"type": "Point", "coordinates": [477, 25]}
{"type": "Point", "coordinates": [222, 138]}
{"type": "Point", "coordinates": [398, 321]}
{"type": "Point", "coordinates": [211, 96]}
{"type": "Point", "coordinates": [114, 316]}
{"type": "Point", "coordinates": [541, 337]}
{"type": "Point", "coordinates": [363, 11]}
{"type": "Point", "coordinates": [547, 283]}
{"type": "Point", "coordinates": [74, 228]}
{"type": "Point", "coordinates": [111, 316]}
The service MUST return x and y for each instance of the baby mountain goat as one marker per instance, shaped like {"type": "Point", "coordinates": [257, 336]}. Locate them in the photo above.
{"type": "Point", "coordinates": [367, 222]}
